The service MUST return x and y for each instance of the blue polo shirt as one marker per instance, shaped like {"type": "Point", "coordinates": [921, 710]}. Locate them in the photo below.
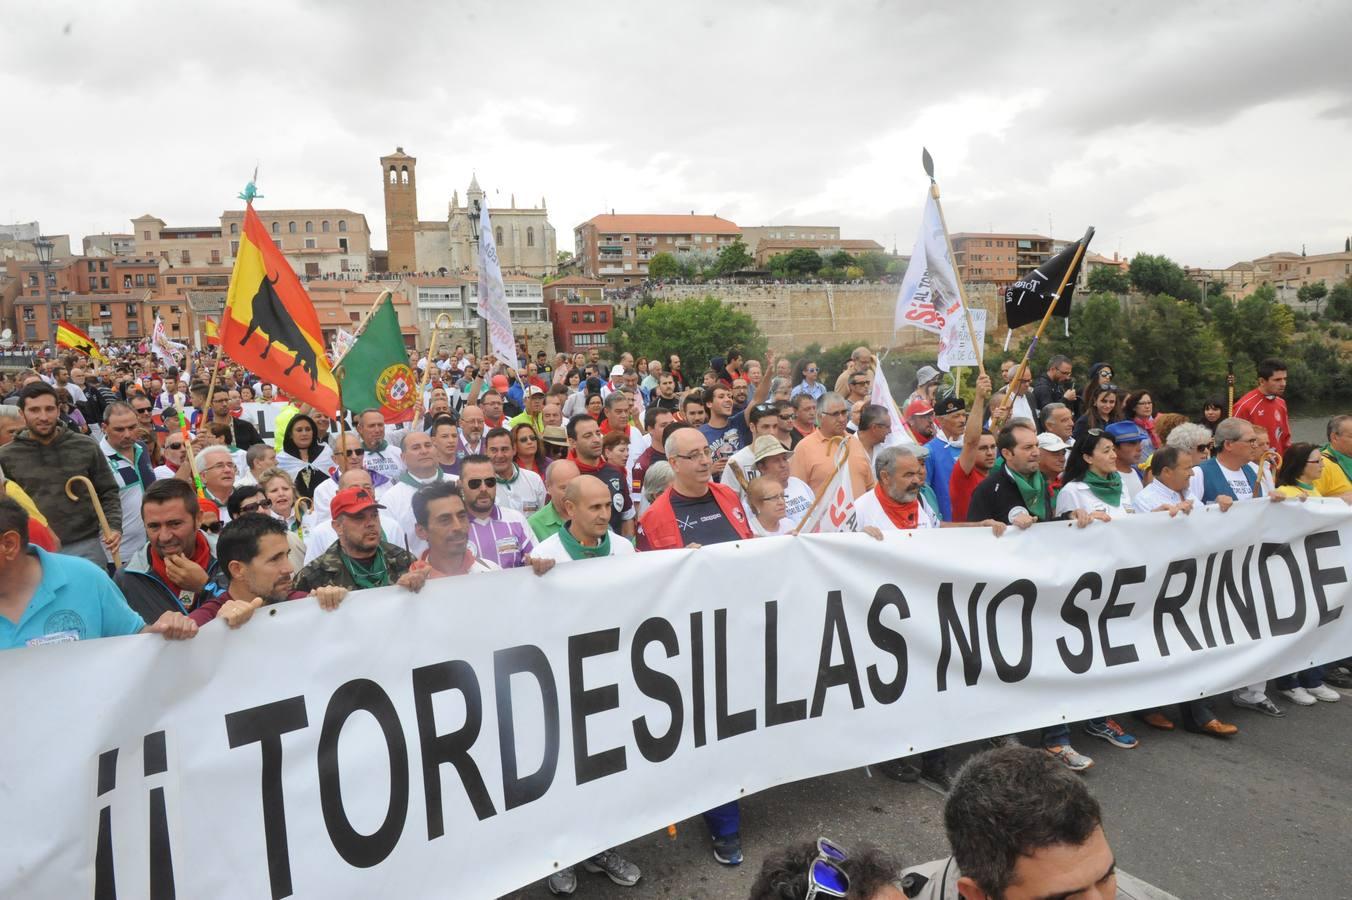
{"type": "Point", "coordinates": [939, 464]}
{"type": "Point", "coordinates": [75, 601]}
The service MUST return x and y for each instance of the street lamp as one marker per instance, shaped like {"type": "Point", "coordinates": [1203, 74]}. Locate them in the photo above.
{"type": "Point", "coordinates": [479, 305]}
{"type": "Point", "coordinates": [44, 248]}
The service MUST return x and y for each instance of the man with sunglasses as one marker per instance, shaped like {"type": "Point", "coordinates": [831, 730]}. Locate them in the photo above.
{"type": "Point", "coordinates": [498, 535]}
{"type": "Point", "coordinates": [175, 571]}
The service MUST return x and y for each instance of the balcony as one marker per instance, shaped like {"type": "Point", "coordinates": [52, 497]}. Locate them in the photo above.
{"type": "Point", "coordinates": [611, 270]}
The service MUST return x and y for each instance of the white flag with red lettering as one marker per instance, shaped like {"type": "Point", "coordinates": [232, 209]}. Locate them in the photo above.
{"type": "Point", "coordinates": [834, 510]}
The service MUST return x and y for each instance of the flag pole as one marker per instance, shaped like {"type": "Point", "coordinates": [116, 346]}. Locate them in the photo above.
{"type": "Point", "coordinates": [427, 372]}
{"type": "Point", "coordinates": [807, 516]}
{"type": "Point", "coordinates": [1042, 326]}
{"type": "Point", "coordinates": [360, 328]}
{"type": "Point", "coordinates": [962, 294]}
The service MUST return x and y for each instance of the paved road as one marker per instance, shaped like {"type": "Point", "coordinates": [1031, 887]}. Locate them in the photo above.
{"type": "Point", "coordinates": [1263, 815]}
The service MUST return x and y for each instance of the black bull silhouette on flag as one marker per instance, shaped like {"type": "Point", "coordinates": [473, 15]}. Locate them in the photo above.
{"type": "Point", "coordinates": [270, 316]}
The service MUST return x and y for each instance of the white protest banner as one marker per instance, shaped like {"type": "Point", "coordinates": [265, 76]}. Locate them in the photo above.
{"type": "Point", "coordinates": [956, 347]}
{"type": "Point", "coordinates": [493, 296]}
{"type": "Point", "coordinates": [928, 296]}
{"type": "Point", "coordinates": [475, 737]}
{"type": "Point", "coordinates": [881, 394]}
{"type": "Point", "coordinates": [263, 416]}
{"type": "Point", "coordinates": [833, 509]}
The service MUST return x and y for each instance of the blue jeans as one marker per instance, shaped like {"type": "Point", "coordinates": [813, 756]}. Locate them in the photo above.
{"type": "Point", "coordinates": [1059, 735]}
{"type": "Point", "coordinates": [724, 821]}
{"type": "Point", "coordinates": [1309, 678]}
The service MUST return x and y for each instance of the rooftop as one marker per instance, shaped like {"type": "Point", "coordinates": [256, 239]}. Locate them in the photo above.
{"type": "Point", "coordinates": [645, 223]}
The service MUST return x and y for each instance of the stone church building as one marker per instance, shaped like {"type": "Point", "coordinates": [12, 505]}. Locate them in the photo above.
{"type": "Point", "coordinates": [525, 239]}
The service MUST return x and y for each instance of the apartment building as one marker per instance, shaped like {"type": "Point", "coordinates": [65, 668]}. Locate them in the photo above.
{"type": "Point", "coordinates": [618, 248]}
{"type": "Point", "coordinates": [998, 258]}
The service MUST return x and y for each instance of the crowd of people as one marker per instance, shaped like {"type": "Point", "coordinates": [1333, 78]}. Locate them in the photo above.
{"type": "Point", "coordinates": [199, 517]}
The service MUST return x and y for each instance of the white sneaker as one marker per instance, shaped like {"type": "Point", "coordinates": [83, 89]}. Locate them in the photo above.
{"type": "Point", "coordinates": [1325, 693]}
{"type": "Point", "coordinates": [1300, 696]}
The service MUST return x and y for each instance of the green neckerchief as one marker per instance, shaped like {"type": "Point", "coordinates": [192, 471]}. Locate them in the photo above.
{"type": "Point", "coordinates": [1033, 491]}
{"type": "Point", "coordinates": [1108, 489]}
{"type": "Point", "coordinates": [1307, 488]}
{"type": "Point", "coordinates": [412, 481]}
{"type": "Point", "coordinates": [577, 551]}
{"type": "Point", "coordinates": [377, 574]}
{"type": "Point", "coordinates": [1342, 459]}
{"type": "Point", "coordinates": [380, 447]}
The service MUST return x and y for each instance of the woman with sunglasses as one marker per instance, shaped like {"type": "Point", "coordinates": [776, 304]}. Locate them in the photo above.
{"type": "Point", "coordinates": [1091, 481]}
{"type": "Point", "coordinates": [1101, 404]}
{"type": "Point", "coordinates": [1299, 470]}
{"type": "Point", "coordinates": [530, 454]}
{"type": "Point", "coordinates": [175, 455]}
{"type": "Point", "coordinates": [303, 458]}
{"type": "Point", "coordinates": [273, 496]}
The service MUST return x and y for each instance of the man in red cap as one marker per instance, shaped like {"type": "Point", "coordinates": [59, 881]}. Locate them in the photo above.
{"type": "Point", "coordinates": [920, 419]}
{"type": "Point", "coordinates": [361, 557]}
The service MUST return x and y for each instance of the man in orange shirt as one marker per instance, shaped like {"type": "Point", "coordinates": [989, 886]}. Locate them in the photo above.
{"type": "Point", "coordinates": [814, 459]}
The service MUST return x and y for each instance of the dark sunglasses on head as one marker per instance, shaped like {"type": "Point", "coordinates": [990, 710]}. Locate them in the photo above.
{"type": "Point", "coordinates": [475, 483]}
{"type": "Point", "coordinates": [825, 877]}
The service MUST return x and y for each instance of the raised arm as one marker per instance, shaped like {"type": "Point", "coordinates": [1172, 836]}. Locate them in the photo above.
{"type": "Point", "coordinates": [972, 435]}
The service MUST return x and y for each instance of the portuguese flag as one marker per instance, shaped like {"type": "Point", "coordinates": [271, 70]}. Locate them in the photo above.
{"type": "Point", "coordinates": [270, 326]}
{"type": "Point", "coordinates": [375, 373]}
{"type": "Point", "coordinates": [72, 338]}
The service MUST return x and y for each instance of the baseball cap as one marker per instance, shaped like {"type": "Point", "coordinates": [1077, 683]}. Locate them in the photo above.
{"type": "Point", "coordinates": [1125, 432]}
{"type": "Point", "coordinates": [1050, 442]}
{"type": "Point", "coordinates": [918, 407]}
{"type": "Point", "coordinates": [534, 390]}
{"type": "Point", "coordinates": [499, 382]}
{"type": "Point", "coordinates": [350, 501]}
{"type": "Point", "coordinates": [616, 371]}
{"type": "Point", "coordinates": [765, 446]}
{"type": "Point", "coordinates": [950, 404]}
{"type": "Point", "coordinates": [925, 374]}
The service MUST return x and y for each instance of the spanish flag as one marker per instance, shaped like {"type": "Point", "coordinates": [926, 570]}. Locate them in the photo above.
{"type": "Point", "coordinates": [72, 338]}
{"type": "Point", "coordinates": [270, 326]}
{"type": "Point", "coordinates": [211, 332]}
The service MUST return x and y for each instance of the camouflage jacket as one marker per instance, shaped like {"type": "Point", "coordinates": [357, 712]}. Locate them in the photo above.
{"type": "Point", "coordinates": [329, 568]}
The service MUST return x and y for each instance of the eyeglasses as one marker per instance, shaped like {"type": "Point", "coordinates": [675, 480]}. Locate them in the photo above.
{"type": "Point", "coordinates": [265, 503]}
{"type": "Point", "coordinates": [693, 455]}
{"type": "Point", "coordinates": [475, 483]}
{"type": "Point", "coordinates": [825, 877]}
{"type": "Point", "coordinates": [839, 412]}
{"type": "Point", "coordinates": [220, 465]}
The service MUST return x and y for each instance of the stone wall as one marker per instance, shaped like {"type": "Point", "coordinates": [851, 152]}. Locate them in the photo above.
{"type": "Point", "coordinates": [795, 315]}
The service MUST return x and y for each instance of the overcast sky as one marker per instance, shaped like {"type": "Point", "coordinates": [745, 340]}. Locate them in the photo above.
{"type": "Point", "coordinates": [1211, 132]}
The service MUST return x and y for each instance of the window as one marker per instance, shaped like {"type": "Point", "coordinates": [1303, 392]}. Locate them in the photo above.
{"type": "Point", "coordinates": [131, 310]}
{"type": "Point", "coordinates": [989, 243]}
{"type": "Point", "coordinates": [589, 317]}
{"type": "Point", "coordinates": [309, 227]}
{"type": "Point", "coordinates": [187, 279]}
{"type": "Point", "coordinates": [356, 316]}
{"type": "Point", "coordinates": [342, 225]}
{"type": "Point", "coordinates": [126, 282]}
{"type": "Point", "coordinates": [342, 244]}
{"type": "Point", "coordinates": [164, 254]}
{"type": "Point", "coordinates": [530, 237]}
{"type": "Point", "coordinates": [497, 235]}
{"type": "Point", "coordinates": [276, 227]}
{"type": "Point", "coordinates": [30, 332]}
{"type": "Point", "coordinates": [184, 257]}
{"type": "Point", "coordinates": [173, 310]}
{"type": "Point", "coordinates": [277, 244]}
{"type": "Point", "coordinates": [29, 314]}
{"type": "Point", "coordinates": [89, 266]}
{"type": "Point", "coordinates": [33, 280]}
{"type": "Point", "coordinates": [394, 175]}
{"type": "Point", "coordinates": [134, 327]}
{"type": "Point", "coordinates": [604, 315]}
{"type": "Point", "coordinates": [309, 243]}
{"type": "Point", "coordinates": [140, 281]}
{"type": "Point", "coordinates": [93, 283]}
{"type": "Point", "coordinates": [574, 317]}
{"type": "Point", "coordinates": [171, 279]}
{"type": "Point", "coordinates": [145, 235]}
{"type": "Point", "coordinates": [152, 280]}
{"type": "Point", "coordinates": [342, 264]}
{"type": "Point", "coordinates": [234, 228]}
{"type": "Point", "coordinates": [104, 311]}
{"type": "Point", "coordinates": [216, 257]}
{"type": "Point", "coordinates": [234, 248]}
{"type": "Point", "coordinates": [291, 227]}
{"type": "Point", "coordinates": [103, 282]}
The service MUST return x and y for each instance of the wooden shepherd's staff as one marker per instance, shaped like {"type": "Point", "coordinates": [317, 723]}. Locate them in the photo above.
{"type": "Point", "coordinates": [98, 510]}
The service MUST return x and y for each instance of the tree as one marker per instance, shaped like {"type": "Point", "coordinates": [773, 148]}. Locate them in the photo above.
{"type": "Point", "coordinates": [1256, 327]}
{"type": "Point", "coordinates": [1313, 293]}
{"type": "Point", "coordinates": [1340, 302]}
{"type": "Point", "coordinates": [795, 263]}
{"type": "Point", "coordinates": [732, 258]}
{"type": "Point", "coordinates": [663, 265]}
{"type": "Point", "coordinates": [563, 256]}
{"type": "Point", "coordinates": [697, 329]}
{"type": "Point", "coordinates": [1160, 275]}
{"type": "Point", "coordinates": [1109, 280]}
{"type": "Point", "coordinates": [873, 264]}
{"type": "Point", "coordinates": [840, 260]}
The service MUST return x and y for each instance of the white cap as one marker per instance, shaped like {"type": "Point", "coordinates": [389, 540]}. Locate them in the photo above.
{"type": "Point", "coordinates": [1049, 441]}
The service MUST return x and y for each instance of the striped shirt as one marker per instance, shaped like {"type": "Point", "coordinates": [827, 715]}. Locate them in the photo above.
{"type": "Point", "coordinates": [503, 538]}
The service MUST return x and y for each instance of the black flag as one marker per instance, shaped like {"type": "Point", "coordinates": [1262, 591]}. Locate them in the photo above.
{"type": "Point", "coordinates": [1027, 299]}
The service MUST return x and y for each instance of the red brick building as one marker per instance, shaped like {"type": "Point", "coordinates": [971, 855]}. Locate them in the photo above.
{"type": "Point", "coordinates": [580, 314]}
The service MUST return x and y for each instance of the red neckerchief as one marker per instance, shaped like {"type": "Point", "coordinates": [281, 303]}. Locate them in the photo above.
{"type": "Point", "coordinates": [497, 424]}
{"type": "Point", "coordinates": [903, 515]}
{"type": "Point", "coordinates": [582, 467]}
{"type": "Point", "coordinates": [606, 427]}
{"type": "Point", "coordinates": [201, 554]}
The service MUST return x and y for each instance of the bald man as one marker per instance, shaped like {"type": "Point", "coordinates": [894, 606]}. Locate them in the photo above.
{"type": "Point", "coordinates": [548, 519]}
{"type": "Point", "coordinates": [587, 535]}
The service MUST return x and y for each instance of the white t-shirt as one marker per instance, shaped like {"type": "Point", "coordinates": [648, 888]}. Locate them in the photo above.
{"type": "Point", "coordinates": [869, 511]}
{"type": "Point", "coordinates": [786, 526]}
{"type": "Point", "coordinates": [552, 548]}
{"type": "Point", "coordinates": [1154, 495]}
{"type": "Point", "coordinates": [1077, 495]}
{"type": "Point", "coordinates": [1131, 484]}
{"type": "Point", "coordinates": [1238, 479]}
{"type": "Point", "coordinates": [321, 537]}
{"type": "Point", "coordinates": [388, 462]}
{"type": "Point", "coordinates": [525, 493]}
